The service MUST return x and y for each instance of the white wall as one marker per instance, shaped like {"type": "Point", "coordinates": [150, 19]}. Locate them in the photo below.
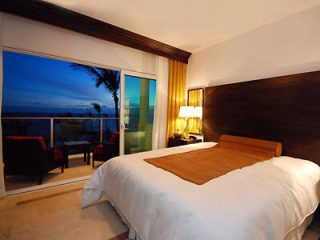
{"type": "Point", "coordinates": [288, 46]}
{"type": "Point", "coordinates": [32, 36]}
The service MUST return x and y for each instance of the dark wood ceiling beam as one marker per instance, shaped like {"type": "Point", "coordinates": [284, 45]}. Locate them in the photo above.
{"type": "Point", "coordinates": [65, 18]}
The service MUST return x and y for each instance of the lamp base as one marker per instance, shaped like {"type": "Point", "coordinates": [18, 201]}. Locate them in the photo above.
{"type": "Point", "coordinates": [185, 133]}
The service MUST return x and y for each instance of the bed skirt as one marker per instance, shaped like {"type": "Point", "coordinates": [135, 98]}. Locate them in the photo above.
{"type": "Point", "coordinates": [132, 235]}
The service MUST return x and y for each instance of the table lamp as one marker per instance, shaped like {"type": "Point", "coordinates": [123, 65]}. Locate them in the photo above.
{"type": "Point", "coordinates": [186, 112]}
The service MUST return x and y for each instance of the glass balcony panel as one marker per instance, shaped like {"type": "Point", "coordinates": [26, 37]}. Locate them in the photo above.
{"type": "Point", "coordinates": [76, 130]}
{"type": "Point", "coordinates": [27, 127]}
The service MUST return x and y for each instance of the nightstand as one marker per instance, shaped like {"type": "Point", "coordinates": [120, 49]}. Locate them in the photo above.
{"type": "Point", "coordinates": [173, 142]}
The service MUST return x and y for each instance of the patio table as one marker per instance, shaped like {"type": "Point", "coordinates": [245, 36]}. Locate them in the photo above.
{"type": "Point", "coordinates": [82, 145]}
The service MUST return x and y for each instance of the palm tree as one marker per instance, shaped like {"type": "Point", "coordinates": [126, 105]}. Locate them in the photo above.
{"type": "Point", "coordinates": [97, 107]}
{"type": "Point", "coordinates": [108, 78]}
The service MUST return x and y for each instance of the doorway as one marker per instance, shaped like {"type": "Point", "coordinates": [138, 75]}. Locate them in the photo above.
{"type": "Point", "coordinates": [55, 114]}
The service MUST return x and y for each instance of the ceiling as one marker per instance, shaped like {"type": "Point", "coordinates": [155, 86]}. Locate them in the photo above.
{"type": "Point", "coordinates": [188, 24]}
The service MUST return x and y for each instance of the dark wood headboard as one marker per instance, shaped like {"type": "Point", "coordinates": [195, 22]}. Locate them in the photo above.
{"type": "Point", "coordinates": [285, 109]}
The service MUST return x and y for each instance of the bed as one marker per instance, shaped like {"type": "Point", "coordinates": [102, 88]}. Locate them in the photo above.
{"type": "Point", "coordinates": [156, 204]}
{"type": "Point", "coordinates": [272, 199]}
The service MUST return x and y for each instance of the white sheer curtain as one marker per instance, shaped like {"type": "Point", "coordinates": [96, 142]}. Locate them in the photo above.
{"type": "Point", "coordinates": [160, 111]}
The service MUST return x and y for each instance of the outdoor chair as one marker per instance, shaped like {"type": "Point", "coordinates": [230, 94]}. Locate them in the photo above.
{"type": "Point", "coordinates": [25, 155]}
{"type": "Point", "coordinates": [104, 151]}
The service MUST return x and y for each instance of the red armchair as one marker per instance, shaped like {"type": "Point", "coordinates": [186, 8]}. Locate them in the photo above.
{"type": "Point", "coordinates": [105, 151]}
{"type": "Point", "coordinates": [24, 155]}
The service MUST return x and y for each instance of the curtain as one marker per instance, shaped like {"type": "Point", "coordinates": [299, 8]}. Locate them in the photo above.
{"type": "Point", "coordinates": [160, 110]}
{"type": "Point", "coordinates": [176, 96]}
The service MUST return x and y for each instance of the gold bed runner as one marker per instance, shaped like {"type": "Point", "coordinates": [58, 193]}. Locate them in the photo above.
{"type": "Point", "coordinates": [200, 166]}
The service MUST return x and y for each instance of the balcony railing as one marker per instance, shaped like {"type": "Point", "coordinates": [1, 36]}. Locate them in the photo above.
{"type": "Point", "coordinates": [56, 130]}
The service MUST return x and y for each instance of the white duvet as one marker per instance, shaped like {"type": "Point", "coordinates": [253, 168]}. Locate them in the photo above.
{"type": "Point", "coordinates": [263, 201]}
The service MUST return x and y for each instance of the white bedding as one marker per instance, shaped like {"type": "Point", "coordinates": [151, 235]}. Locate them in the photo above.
{"type": "Point", "coordinates": [263, 201]}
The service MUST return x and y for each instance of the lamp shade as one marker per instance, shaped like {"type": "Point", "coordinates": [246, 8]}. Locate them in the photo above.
{"type": "Point", "coordinates": [186, 111]}
{"type": "Point", "coordinates": [198, 112]}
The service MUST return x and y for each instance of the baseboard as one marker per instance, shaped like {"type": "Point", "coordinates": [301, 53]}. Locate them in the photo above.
{"type": "Point", "coordinates": [46, 185]}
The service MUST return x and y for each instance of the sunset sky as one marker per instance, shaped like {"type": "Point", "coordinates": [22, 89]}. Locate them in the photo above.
{"type": "Point", "coordinates": [38, 84]}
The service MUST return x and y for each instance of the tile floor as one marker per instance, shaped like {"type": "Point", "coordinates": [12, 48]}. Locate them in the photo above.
{"type": "Point", "coordinates": [56, 213]}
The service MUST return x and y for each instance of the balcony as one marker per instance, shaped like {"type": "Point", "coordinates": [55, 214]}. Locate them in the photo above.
{"type": "Point", "coordinates": [56, 131]}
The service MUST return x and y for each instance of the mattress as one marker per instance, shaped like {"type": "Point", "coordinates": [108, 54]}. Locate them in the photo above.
{"type": "Point", "coordinates": [267, 200]}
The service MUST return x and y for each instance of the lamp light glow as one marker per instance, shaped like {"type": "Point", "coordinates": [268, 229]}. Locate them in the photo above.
{"type": "Point", "coordinates": [186, 112]}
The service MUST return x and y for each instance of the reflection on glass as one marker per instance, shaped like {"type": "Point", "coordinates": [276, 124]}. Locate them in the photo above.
{"type": "Point", "coordinates": [138, 113]}
{"type": "Point", "coordinates": [195, 99]}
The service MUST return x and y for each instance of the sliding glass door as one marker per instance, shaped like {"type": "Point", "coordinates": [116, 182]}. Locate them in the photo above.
{"type": "Point", "coordinates": [137, 112]}
{"type": "Point", "coordinates": [65, 104]}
